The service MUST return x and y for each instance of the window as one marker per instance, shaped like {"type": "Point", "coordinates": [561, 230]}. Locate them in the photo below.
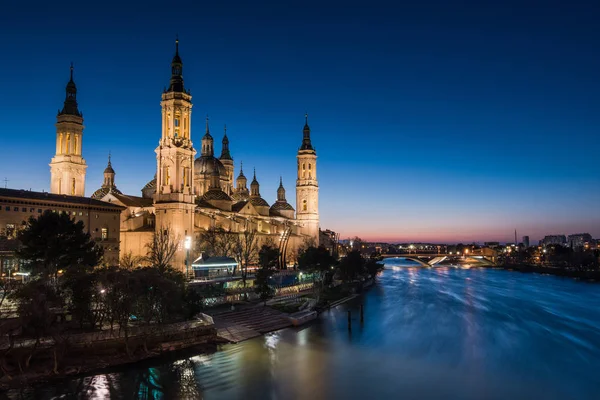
{"type": "Point", "coordinates": [39, 210]}
{"type": "Point", "coordinates": [74, 213]}
{"type": "Point", "coordinates": [304, 206]}
{"type": "Point", "coordinates": [176, 122]}
{"type": "Point", "coordinates": [16, 209]}
{"type": "Point", "coordinates": [31, 209]}
{"type": "Point", "coordinates": [80, 213]}
{"type": "Point", "coordinates": [96, 216]}
{"type": "Point", "coordinates": [309, 166]}
{"type": "Point", "coordinates": [7, 208]}
{"type": "Point", "coordinates": [104, 233]}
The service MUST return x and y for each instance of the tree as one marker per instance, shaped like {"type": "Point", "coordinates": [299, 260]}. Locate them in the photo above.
{"type": "Point", "coordinates": [373, 267]}
{"type": "Point", "coordinates": [217, 242]}
{"type": "Point", "coordinates": [162, 248]}
{"type": "Point", "coordinates": [55, 242]}
{"type": "Point", "coordinates": [317, 261]}
{"type": "Point", "coordinates": [267, 257]}
{"type": "Point", "coordinates": [37, 306]}
{"type": "Point", "coordinates": [129, 261]}
{"type": "Point", "coordinates": [245, 250]}
{"type": "Point", "coordinates": [352, 266]}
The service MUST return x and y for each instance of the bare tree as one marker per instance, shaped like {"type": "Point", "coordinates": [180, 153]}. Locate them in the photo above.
{"type": "Point", "coordinates": [129, 261]}
{"type": "Point", "coordinates": [245, 250]}
{"type": "Point", "coordinates": [217, 242]}
{"type": "Point", "coordinates": [162, 248]}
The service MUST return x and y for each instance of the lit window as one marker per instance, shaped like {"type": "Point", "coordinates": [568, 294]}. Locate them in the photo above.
{"type": "Point", "coordinates": [32, 209]}
{"type": "Point", "coordinates": [96, 216]}
{"type": "Point", "coordinates": [80, 213]}
{"type": "Point", "coordinates": [104, 233]}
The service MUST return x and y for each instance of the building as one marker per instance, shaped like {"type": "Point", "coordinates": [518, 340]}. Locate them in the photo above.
{"type": "Point", "coordinates": [191, 194]}
{"type": "Point", "coordinates": [554, 239]}
{"type": "Point", "coordinates": [101, 219]}
{"type": "Point", "coordinates": [526, 242]}
{"type": "Point", "coordinates": [578, 241]}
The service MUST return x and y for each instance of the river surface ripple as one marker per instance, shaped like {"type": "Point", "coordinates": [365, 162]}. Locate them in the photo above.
{"type": "Point", "coordinates": [439, 333]}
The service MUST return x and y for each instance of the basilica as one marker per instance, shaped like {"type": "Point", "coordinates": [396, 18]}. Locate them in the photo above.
{"type": "Point", "coordinates": [191, 191]}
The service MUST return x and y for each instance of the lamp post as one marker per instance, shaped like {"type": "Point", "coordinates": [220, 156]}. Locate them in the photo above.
{"type": "Point", "coordinates": [187, 244]}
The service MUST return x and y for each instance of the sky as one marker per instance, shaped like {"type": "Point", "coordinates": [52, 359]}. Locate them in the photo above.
{"type": "Point", "coordinates": [435, 121]}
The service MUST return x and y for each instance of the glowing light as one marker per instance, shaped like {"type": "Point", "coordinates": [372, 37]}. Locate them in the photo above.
{"type": "Point", "coordinates": [188, 242]}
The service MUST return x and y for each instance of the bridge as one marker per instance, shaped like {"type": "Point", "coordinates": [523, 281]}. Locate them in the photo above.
{"type": "Point", "coordinates": [430, 260]}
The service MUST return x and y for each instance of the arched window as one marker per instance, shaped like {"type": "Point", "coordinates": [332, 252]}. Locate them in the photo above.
{"type": "Point", "coordinates": [304, 205]}
{"type": "Point", "coordinates": [73, 187]}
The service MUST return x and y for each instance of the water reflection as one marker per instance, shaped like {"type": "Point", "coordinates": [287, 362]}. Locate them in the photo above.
{"type": "Point", "coordinates": [446, 333]}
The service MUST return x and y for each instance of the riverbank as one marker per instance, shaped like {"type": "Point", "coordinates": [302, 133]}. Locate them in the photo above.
{"type": "Point", "coordinates": [584, 275]}
{"type": "Point", "coordinates": [27, 363]}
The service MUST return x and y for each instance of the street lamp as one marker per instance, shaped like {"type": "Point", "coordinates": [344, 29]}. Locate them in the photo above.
{"type": "Point", "coordinates": [187, 244]}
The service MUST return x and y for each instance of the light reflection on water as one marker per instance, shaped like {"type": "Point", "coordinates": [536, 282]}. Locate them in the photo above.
{"type": "Point", "coordinates": [444, 333]}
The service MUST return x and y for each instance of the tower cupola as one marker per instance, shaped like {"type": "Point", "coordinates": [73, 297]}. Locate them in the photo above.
{"type": "Point", "coordinates": [176, 84]}
{"type": "Point", "coordinates": [225, 154]}
{"type": "Point", "coordinates": [281, 191]}
{"type": "Point", "coordinates": [207, 142]}
{"type": "Point", "coordinates": [70, 105]}
{"type": "Point", "coordinates": [254, 186]}
{"type": "Point", "coordinates": [306, 144]}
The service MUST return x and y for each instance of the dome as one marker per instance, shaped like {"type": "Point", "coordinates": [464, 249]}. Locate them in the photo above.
{"type": "Point", "coordinates": [109, 169]}
{"type": "Point", "coordinates": [103, 191]}
{"type": "Point", "coordinates": [282, 206]}
{"type": "Point", "coordinates": [151, 184]}
{"type": "Point", "coordinates": [216, 194]}
{"type": "Point", "coordinates": [258, 201]}
{"type": "Point", "coordinates": [205, 165]}
{"type": "Point", "coordinates": [240, 196]}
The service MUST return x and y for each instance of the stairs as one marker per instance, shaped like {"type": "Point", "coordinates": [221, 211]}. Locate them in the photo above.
{"type": "Point", "coordinates": [236, 326]}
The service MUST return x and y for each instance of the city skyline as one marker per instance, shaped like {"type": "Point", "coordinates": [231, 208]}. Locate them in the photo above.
{"type": "Point", "coordinates": [463, 142]}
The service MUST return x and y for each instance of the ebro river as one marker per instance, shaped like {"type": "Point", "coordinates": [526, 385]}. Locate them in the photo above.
{"type": "Point", "coordinates": [428, 333]}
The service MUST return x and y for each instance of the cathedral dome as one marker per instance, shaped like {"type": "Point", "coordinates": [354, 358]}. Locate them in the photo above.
{"type": "Point", "coordinates": [205, 165]}
{"type": "Point", "coordinates": [151, 184]}
{"type": "Point", "coordinates": [216, 194]}
{"type": "Point", "coordinates": [103, 191]}
{"type": "Point", "coordinates": [258, 201]}
{"type": "Point", "coordinates": [282, 206]}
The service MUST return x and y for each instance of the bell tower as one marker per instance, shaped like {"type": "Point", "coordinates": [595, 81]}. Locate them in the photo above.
{"type": "Point", "coordinates": [307, 187]}
{"type": "Point", "coordinates": [174, 197]}
{"type": "Point", "coordinates": [67, 168]}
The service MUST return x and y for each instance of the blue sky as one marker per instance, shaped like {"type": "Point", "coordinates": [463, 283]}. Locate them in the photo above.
{"type": "Point", "coordinates": [432, 121]}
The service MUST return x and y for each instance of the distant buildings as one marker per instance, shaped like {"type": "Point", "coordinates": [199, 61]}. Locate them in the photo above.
{"type": "Point", "coordinates": [579, 240]}
{"type": "Point", "coordinates": [554, 239]}
{"type": "Point", "coordinates": [526, 241]}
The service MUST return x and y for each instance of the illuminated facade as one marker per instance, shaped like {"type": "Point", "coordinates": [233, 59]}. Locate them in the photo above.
{"type": "Point", "coordinates": [192, 195]}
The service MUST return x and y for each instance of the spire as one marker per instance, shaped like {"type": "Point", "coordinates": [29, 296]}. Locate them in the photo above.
{"type": "Point", "coordinates": [207, 143]}
{"type": "Point", "coordinates": [109, 175]}
{"type": "Point", "coordinates": [70, 105]}
{"type": "Point", "coordinates": [109, 167]}
{"type": "Point", "coordinates": [254, 186]}
{"type": "Point", "coordinates": [281, 191]}
{"type": "Point", "coordinates": [306, 144]}
{"type": "Point", "coordinates": [241, 179]}
{"type": "Point", "coordinates": [225, 154]}
{"type": "Point", "coordinates": [176, 71]}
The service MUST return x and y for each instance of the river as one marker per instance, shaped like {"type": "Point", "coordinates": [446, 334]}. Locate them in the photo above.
{"type": "Point", "coordinates": [428, 333]}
